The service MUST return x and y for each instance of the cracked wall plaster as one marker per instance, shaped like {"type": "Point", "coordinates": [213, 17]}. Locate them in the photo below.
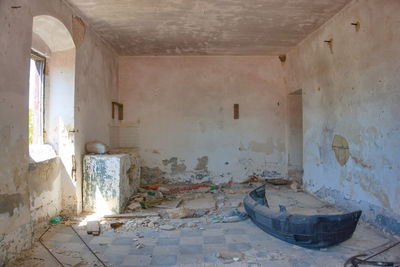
{"type": "Point", "coordinates": [355, 92]}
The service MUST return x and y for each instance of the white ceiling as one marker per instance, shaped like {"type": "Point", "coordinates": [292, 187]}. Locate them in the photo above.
{"type": "Point", "coordinates": [205, 27]}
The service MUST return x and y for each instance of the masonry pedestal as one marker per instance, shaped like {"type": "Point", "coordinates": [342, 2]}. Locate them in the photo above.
{"type": "Point", "coordinates": [106, 187]}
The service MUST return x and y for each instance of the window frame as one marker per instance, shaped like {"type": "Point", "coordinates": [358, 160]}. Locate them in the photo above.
{"type": "Point", "coordinates": [39, 57]}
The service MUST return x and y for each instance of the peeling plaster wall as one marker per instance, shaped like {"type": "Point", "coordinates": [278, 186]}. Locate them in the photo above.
{"type": "Point", "coordinates": [179, 112]}
{"type": "Point", "coordinates": [45, 190]}
{"type": "Point", "coordinates": [353, 91]}
{"type": "Point", "coordinates": [15, 42]}
{"type": "Point", "coordinates": [95, 88]}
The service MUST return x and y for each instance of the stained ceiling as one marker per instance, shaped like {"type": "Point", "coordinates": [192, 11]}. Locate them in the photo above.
{"type": "Point", "coordinates": [205, 27]}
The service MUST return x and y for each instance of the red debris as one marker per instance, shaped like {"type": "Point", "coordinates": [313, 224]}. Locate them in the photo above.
{"type": "Point", "coordinates": [151, 187]}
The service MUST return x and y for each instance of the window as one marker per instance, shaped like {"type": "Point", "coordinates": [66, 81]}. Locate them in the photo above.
{"type": "Point", "coordinates": [36, 99]}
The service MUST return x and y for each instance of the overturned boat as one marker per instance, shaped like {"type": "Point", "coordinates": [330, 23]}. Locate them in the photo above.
{"type": "Point", "coordinates": [310, 231]}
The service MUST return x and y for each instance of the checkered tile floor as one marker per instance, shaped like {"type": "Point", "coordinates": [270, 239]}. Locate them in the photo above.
{"type": "Point", "coordinates": [198, 247]}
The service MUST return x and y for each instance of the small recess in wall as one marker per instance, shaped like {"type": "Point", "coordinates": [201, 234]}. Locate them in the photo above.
{"type": "Point", "coordinates": [356, 25]}
{"type": "Point", "coordinates": [236, 111]}
{"type": "Point", "coordinates": [120, 110]}
{"type": "Point", "coordinates": [282, 58]}
{"type": "Point", "coordinates": [330, 44]}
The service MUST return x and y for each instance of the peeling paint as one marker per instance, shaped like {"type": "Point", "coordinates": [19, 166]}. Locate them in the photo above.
{"type": "Point", "coordinates": [341, 149]}
{"type": "Point", "coordinates": [358, 99]}
{"type": "Point", "coordinates": [149, 175]}
{"type": "Point", "coordinates": [203, 124]}
{"type": "Point", "coordinates": [202, 164]}
{"type": "Point", "coordinates": [175, 167]}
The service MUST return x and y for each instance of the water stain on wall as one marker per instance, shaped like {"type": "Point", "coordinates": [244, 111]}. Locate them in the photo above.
{"type": "Point", "coordinates": [360, 162]}
{"type": "Point", "coordinates": [9, 202]}
{"type": "Point", "coordinates": [78, 31]}
{"type": "Point", "coordinates": [148, 175]}
{"type": "Point", "coordinates": [175, 167]}
{"type": "Point", "coordinates": [368, 186]}
{"type": "Point", "coordinates": [202, 164]}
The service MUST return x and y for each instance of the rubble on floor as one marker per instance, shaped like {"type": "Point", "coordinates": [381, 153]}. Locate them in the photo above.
{"type": "Point", "coordinates": [206, 220]}
{"type": "Point", "coordinates": [165, 206]}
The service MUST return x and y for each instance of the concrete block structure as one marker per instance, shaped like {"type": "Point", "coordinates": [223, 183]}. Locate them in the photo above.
{"type": "Point", "coordinates": [106, 188]}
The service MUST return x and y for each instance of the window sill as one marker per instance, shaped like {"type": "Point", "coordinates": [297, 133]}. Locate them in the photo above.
{"type": "Point", "coordinates": [41, 153]}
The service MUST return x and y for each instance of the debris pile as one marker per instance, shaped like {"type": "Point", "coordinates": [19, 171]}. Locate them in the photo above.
{"type": "Point", "coordinates": [167, 207]}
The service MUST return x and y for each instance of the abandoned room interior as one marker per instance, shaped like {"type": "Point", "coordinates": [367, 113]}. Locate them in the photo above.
{"type": "Point", "coordinates": [199, 133]}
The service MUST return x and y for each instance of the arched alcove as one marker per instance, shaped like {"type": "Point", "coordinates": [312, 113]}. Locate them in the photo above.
{"type": "Point", "coordinates": [53, 46]}
{"type": "Point", "coordinates": [53, 33]}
